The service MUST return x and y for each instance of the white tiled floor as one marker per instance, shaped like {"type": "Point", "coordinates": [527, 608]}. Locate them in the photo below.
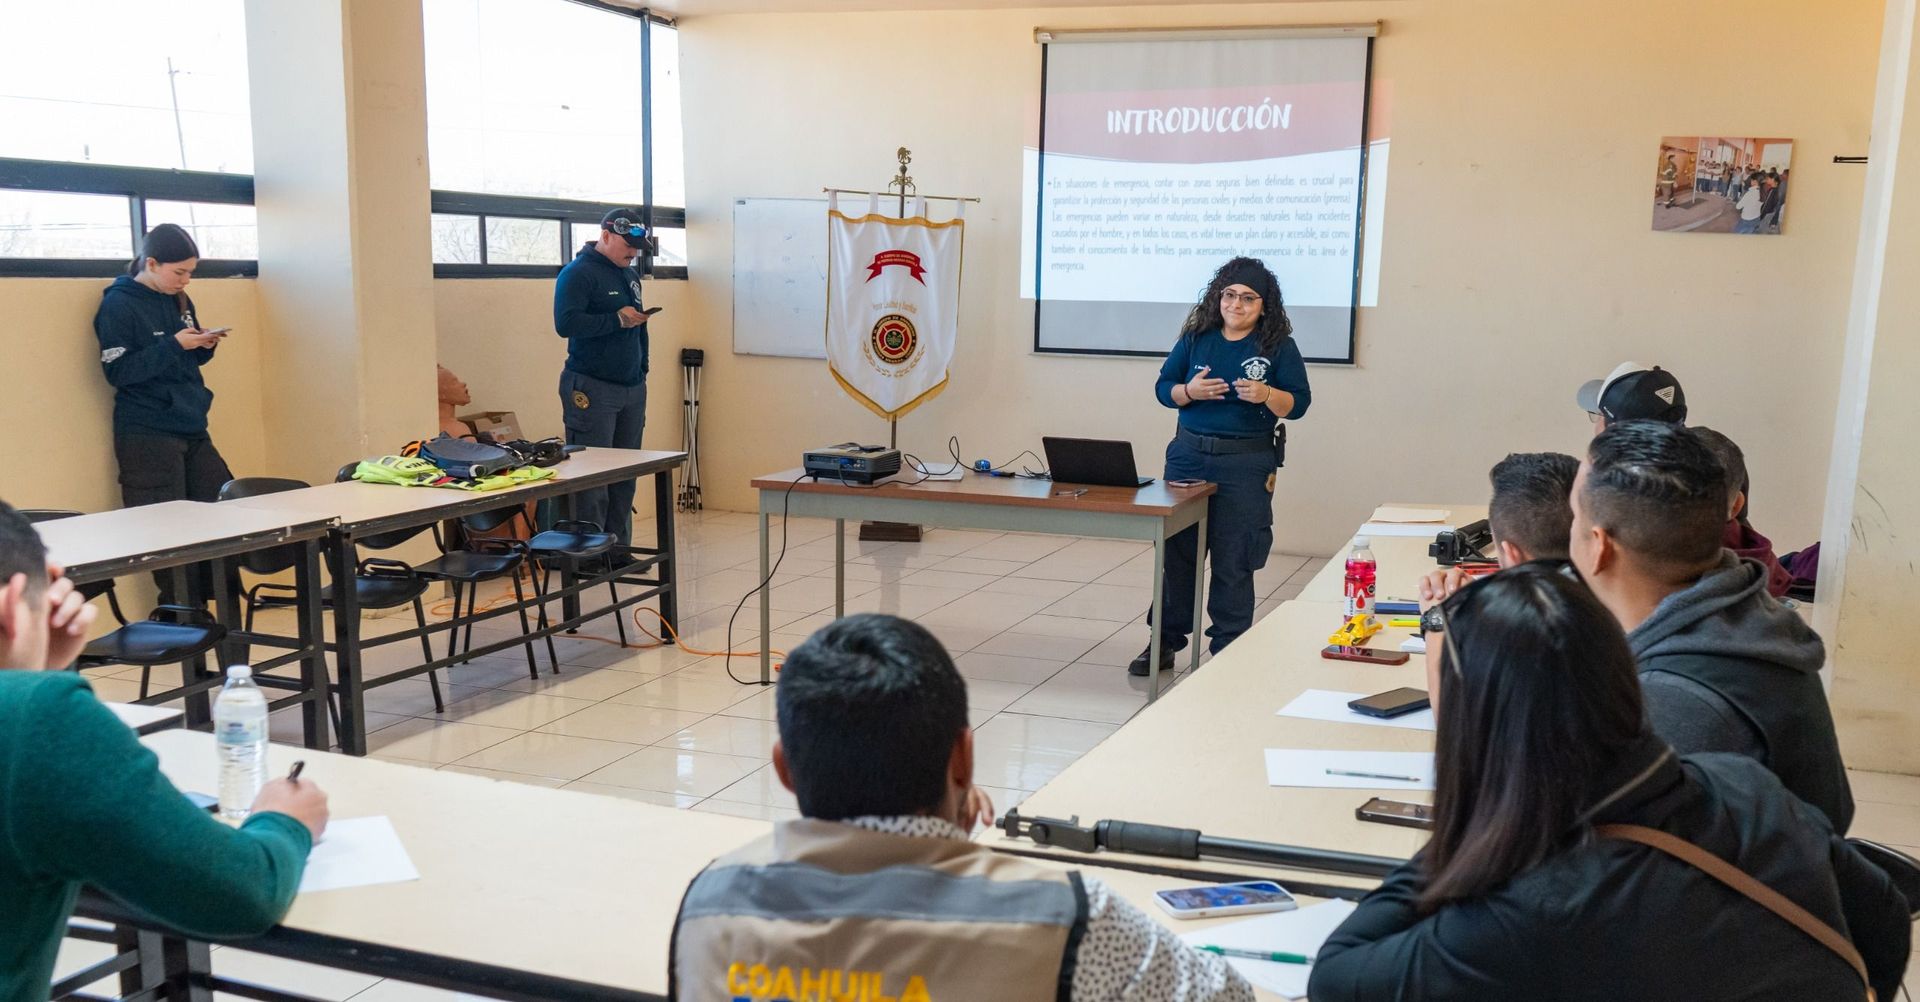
{"type": "Point", "coordinates": [1041, 626]}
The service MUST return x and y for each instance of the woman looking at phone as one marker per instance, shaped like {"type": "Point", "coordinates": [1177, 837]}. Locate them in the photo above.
{"type": "Point", "coordinates": [1531, 888]}
{"type": "Point", "coordinates": [151, 348]}
{"type": "Point", "coordinates": [1233, 374]}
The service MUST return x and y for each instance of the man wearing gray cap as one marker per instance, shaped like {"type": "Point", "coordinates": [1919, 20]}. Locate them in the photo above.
{"type": "Point", "coordinates": [603, 389]}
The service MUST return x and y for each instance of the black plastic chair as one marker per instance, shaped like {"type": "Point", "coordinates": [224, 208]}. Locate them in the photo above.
{"type": "Point", "coordinates": [171, 634]}
{"type": "Point", "coordinates": [479, 561]}
{"type": "Point", "coordinates": [571, 543]}
{"type": "Point", "coordinates": [377, 583]}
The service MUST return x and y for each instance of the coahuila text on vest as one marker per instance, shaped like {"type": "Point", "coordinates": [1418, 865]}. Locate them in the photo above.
{"type": "Point", "coordinates": [761, 983]}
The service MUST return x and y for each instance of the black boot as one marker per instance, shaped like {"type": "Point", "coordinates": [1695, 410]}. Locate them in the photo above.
{"type": "Point", "coordinates": [1144, 663]}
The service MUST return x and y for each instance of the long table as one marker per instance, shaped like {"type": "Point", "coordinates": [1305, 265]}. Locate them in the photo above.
{"type": "Point", "coordinates": [360, 510]}
{"type": "Point", "coordinates": [524, 892]}
{"type": "Point", "coordinates": [172, 536]}
{"type": "Point", "coordinates": [1154, 513]}
{"type": "Point", "coordinates": [1196, 758]}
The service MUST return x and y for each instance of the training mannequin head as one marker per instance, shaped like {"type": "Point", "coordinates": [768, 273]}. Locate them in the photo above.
{"type": "Point", "coordinates": [1530, 513]}
{"type": "Point", "coordinates": [23, 593]}
{"type": "Point", "coordinates": [873, 721]}
{"type": "Point", "coordinates": [1649, 510]}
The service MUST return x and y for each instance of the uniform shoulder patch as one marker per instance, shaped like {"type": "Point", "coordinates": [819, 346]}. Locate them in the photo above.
{"type": "Point", "coordinates": [107, 357]}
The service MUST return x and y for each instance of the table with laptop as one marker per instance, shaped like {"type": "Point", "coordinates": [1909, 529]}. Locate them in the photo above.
{"type": "Point", "coordinates": [1094, 491]}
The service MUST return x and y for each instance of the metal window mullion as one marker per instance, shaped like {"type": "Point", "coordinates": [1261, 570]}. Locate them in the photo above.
{"type": "Point", "coordinates": [137, 217]}
{"type": "Point", "coordinates": [481, 223]}
{"type": "Point", "coordinates": [646, 132]}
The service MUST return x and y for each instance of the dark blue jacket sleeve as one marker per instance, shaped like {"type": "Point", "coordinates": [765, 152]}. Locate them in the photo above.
{"type": "Point", "coordinates": [129, 353]}
{"type": "Point", "coordinates": [570, 317]}
{"type": "Point", "coordinates": [1386, 950]}
{"type": "Point", "coordinates": [1173, 371]}
{"type": "Point", "coordinates": [1290, 374]}
{"type": "Point", "coordinates": [201, 356]}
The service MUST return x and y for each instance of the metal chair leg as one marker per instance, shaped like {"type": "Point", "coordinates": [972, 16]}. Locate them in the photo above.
{"type": "Point", "coordinates": [453, 632]}
{"type": "Point", "coordinates": [520, 606]}
{"type": "Point", "coordinates": [433, 677]}
{"type": "Point", "coordinates": [540, 584]}
{"type": "Point", "coordinates": [146, 672]}
{"type": "Point", "coordinates": [619, 619]}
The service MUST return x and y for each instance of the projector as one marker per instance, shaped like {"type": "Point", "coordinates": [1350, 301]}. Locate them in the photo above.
{"type": "Point", "coordinates": [851, 462]}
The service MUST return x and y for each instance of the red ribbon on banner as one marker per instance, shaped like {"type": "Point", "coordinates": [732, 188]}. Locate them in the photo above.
{"type": "Point", "coordinates": [905, 259]}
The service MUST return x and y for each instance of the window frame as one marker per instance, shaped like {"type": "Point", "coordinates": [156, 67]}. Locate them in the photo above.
{"type": "Point", "coordinates": [139, 184]}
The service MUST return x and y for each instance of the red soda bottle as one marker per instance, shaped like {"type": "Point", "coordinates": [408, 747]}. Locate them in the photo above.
{"type": "Point", "coordinates": [1360, 579]}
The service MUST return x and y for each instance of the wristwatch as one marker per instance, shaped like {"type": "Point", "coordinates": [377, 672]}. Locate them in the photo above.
{"type": "Point", "coordinates": [1431, 621]}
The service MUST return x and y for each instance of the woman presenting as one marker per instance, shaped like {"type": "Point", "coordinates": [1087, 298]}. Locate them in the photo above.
{"type": "Point", "coordinates": [152, 348]}
{"type": "Point", "coordinates": [1234, 374]}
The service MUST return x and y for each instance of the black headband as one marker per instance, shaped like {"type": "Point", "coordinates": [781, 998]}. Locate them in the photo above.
{"type": "Point", "coordinates": [1251, 274]}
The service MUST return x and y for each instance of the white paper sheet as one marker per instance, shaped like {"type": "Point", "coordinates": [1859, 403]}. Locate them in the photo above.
{"type": "Point", "coordinates": [357, 852]}
{"type": "Point", "coordinates": [1390, 513]}
{"type": "Point", "coordinates": [1308, 767]}
{"type": "Point", "coordinates": [1427, 529]}
{"type": "Point", "coordinates": [1302, 931]}
{"type": "Point", "coordinates": [1325, 704]}
{"type": "Point", "coordinates": [1415, 644]}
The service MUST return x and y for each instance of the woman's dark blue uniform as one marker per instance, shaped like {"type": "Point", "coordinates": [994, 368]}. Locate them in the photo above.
{"type": "Point", "coordinates": [1230, 443]}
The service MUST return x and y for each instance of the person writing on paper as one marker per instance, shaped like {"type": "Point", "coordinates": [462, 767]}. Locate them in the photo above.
{"type": "Point", "coordinates": [82, 802]}
{"type": "Point", "coordinates": [1525, 893]}
{"type": "Point", "coordinates": [152, 349]}
{"type": "Point", "coordinates": [877, 890]}
{"type": "Point", "coordinates": [1725, 666]}
{"type": "Point", "coordinates": [1234, 374]}
{"type": "Point", "coordinates": [1529, 516]}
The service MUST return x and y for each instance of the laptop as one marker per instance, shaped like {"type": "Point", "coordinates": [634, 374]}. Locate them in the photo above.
{"type": "Point", "coordinates": [1096, 461]}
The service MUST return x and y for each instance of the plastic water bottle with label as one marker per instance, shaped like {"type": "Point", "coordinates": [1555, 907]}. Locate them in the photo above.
{"type": "Point", "coordinates": [1360, 579]}
{"type": "Point", "coordinates": [240, 732]}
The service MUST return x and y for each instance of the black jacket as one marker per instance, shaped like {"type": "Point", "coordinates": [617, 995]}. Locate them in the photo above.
{"type": "Point", "coordinates": [1611, 920]}
{"type": "Point", "coordinates": [588, 294]}
{"type": "Point", "coordinates": [156, 383]}
{"type": "Point", "coordinates": [1726, 668]}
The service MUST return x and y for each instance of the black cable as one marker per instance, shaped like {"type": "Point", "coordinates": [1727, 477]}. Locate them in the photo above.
{"type": "Point", "coordinates": [726, 653]}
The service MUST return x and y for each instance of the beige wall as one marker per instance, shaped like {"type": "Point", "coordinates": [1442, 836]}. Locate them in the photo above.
{"type": "Point", "coordinates": [57, 410]}
{"type": "Point", "coordinates": [1518, 259]}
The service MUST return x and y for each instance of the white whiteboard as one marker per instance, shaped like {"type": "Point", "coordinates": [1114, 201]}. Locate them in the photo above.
{"type": "Point", "coordinates": [780, 277]}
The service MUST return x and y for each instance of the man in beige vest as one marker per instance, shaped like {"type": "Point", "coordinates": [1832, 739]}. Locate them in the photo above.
{"type": "Point", "coordinates": [877, 895]}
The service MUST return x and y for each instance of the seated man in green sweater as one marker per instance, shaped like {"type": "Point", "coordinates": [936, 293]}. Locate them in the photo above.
{"type": "Point", "coordinates": [83, 802]}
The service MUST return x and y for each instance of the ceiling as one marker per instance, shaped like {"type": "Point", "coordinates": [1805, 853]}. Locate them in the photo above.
{"type": "Point", "coordinates": [696, 8]}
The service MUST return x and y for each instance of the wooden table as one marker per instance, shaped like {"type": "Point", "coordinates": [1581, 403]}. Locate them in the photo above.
{"type": "Point", "coordinates": [1401, 560]}
{"type": "Point", "coordinates": [1154, 513]}
{"type": "Point", "coordinates": [524, 892]}
{"type": "Point", "coordinates": [174, 535]}
{"type": "Point", "coordinates": [360, 510]}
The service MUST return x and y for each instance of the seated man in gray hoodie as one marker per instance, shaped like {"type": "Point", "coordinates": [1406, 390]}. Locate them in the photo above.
{"type": "Point", "coordinates": [1723, 665]}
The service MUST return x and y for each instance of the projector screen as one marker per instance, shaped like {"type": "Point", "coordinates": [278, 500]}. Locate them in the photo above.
{"type": "Point", "coordinates": [1161, 157]}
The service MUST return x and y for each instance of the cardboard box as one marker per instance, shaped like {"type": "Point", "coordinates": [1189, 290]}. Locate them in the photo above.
{"type": "Point", "coordinates": [493, 426]}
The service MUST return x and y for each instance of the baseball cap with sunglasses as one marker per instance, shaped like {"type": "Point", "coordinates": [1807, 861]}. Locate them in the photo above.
{"type": "Point", "coordinates": [626, 222]}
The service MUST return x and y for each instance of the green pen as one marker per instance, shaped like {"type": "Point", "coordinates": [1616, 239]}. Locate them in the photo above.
{"type": "Point", "coordinates": [1278, 958]}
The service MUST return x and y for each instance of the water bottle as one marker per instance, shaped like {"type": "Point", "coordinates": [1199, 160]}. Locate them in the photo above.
{"type": "Point", "coordinates": [1360, 583]}
{"type": "Point", "coordinates": [240, 731]}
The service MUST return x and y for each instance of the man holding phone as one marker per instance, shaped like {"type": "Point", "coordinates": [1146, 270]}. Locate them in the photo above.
{"type": "Point", "coordinates": [603, 389]}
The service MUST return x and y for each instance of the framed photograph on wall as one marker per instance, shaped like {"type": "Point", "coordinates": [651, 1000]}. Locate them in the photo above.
{"type": "Point", "coordinates": [1721, 184]}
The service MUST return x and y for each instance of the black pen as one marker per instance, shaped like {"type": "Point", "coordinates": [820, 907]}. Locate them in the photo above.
{"type": "Point", "coordinates": [293, 774]}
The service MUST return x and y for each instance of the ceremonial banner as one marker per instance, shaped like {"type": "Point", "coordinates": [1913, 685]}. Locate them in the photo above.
{"type": "Point", "coordinates": [893, 305]}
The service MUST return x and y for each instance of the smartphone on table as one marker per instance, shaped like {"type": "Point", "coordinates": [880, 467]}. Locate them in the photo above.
{"type": "Point", "coordinates": [1392, 703]}
{"type": "Point", "coordinates": [1395, 812]}
{"type": "Point", "coordinates": [1369, 655]}
{"type": "Point", "coordinates": [1215, 900]}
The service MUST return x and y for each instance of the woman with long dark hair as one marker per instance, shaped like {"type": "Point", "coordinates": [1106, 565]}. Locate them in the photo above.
{"type": "Point", "coordinates": [151, 348]}
{"type": "Point", "coordinates": [1234, 374]}
{"type": "Point", "coordinates": [1528, 890]}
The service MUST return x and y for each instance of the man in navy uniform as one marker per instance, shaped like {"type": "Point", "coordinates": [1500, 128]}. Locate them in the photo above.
{"type": "Point", "coordinates": [603, 389]}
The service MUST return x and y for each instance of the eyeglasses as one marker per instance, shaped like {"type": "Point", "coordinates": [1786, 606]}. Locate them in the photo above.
{"type": "Point", "coordinates": [1243, 298]}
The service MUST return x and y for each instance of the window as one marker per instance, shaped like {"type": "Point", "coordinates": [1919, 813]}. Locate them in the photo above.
{"type": "Point", "coordinates": [526, 148]}
{"type": "Point", "coordinates": [138, 85]}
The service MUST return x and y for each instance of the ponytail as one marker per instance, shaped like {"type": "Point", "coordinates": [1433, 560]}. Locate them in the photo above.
{"type": "Point", "coordinates": [165, 243]}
